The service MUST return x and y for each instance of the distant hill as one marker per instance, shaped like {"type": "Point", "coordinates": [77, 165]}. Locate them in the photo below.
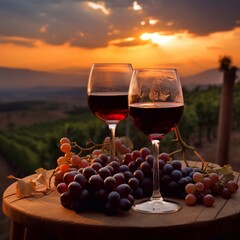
{"type": "Point", "coordinates": [203, 79]}
{"type": "Point", "coordinates": [25, 78]}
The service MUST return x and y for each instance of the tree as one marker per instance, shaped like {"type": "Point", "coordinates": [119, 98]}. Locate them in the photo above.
{"type": "Point", "coordinates": [225, 112]}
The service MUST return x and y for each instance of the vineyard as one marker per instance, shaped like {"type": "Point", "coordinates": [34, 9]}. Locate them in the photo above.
{"type": "Point", "coordinates": [37, 145]}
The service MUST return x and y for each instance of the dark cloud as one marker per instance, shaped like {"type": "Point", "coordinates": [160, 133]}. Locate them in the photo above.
{"type": "Point", "coordinates": [73, 21]}
{"type": "Point", "coordinates": [200, 17]}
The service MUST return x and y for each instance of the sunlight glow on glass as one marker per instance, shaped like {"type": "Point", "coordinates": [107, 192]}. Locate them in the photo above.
{"type": "Point", "coordinates": [157, 38]}
{"type": "Point", "coordinates": [100, 6]}
{"type": "Point", "coordinates": [136, 6]}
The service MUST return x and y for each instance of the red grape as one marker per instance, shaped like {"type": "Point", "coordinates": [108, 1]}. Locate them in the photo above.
{"type": "Point", "coordinates": [232, 186]}
{"type": "Point", "coordinates": [190, 199]}
{"type": "Point", "coordinates": [62, 187]}
{"type": "Point", "coordinates": [164, 156]}
{"type": "Point", "coordinates": [208, 200]}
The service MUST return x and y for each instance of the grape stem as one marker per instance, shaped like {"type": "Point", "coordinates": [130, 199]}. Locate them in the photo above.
{"type": "Point", "coordinates": [90, 141]}
{"type": "Point", "coordinates": [93, 146]}
{"type": "Point", "coordinates": [184, 148]}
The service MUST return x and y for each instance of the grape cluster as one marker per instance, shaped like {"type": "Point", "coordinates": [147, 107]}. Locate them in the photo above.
{"type": "Point", "coordinates": [174, 177]}
{"type": "Point", "coordinates": [205, 186]}
{"type": "Point", "coordinates": [92, 184]}
{"type": "Point", "coordinates": [110, 186]}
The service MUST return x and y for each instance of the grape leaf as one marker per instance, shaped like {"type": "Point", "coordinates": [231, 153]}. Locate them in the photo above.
{"type": "Point", "coordinates": [28, 188]}
{"type": "Point", "coordinates": [227, 173]}
{"type": "Point", "coordinates": [42, 176]}
{"type": "Point", "coordinates": [24, 189]}
{"type": "Point", "coordinates": [225, 170]}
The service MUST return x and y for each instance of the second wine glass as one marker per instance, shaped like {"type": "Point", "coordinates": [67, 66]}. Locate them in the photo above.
{"type": "Point", "coordinates": [107, 91]}
{"type": "Point", "coordinates": [155, 107]}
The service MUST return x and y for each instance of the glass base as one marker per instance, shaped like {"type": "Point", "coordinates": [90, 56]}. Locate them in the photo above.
{"type": "Point", "coordinates": [156, 206]}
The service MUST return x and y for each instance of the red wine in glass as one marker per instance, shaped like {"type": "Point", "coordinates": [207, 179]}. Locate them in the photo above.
{"type": "Point", "coordinates": [157, 118]}
{"type": "Point", "coordinates": [155, 107]}
{"type": "Point", "coordinates": [109, 106]}
{"type": "Point", "coordinates": [107, 91]}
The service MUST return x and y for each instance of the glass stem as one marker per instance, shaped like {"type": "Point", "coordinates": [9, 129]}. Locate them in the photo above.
{"type": "Point", "coordinates": [112, 128]}
{"type": "Point", "coordinates": [156, 195]}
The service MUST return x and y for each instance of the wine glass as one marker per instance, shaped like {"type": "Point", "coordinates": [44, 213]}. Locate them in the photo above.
{"type": "Point", "coordinates": [155, 107]}
{"type": "Point", "coordinates": [107, 91]}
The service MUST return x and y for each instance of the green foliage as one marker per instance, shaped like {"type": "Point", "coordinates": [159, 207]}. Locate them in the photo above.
{"type": "Point", "coordinates": [38, 145]}
{"type": "Point", "coordinates": [19, 155]}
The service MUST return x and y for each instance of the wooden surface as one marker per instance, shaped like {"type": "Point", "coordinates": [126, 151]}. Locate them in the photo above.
{"type": "Point", "coordinates": [43, 217]}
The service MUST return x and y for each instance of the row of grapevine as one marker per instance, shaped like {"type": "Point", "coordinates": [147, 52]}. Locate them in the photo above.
{"type": "Point", "coordinates": [37, 146]}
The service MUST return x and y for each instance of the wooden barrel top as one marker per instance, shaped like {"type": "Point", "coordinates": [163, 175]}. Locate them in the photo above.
{"type": "Point", "coordinates": [45, 214]}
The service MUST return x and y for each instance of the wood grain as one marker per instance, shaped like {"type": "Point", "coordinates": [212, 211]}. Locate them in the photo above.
{"type": "Point", "coordinates": [44, 216]}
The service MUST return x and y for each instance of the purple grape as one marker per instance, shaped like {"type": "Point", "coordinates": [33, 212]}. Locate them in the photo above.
{"type": "Point", "coordinates": [161, 163]}
{"type": "Point", "coordinates": [132, 166]}
{"type": "Point", "coordinates": [66, 199]}
{"type": "Point", "coordinates": [88, 172]}
{"type": "Point", "coordinates": [98, 160]}
{"type": "Point", "coordinates": [120, 179]}
{"type": "Point", "coordinates": [81, 179]}
{"type": "Point", "coordinates": [104, 159]}
{"type": "Point", "coordinates": [96, 182]}
{"type": "Point", "coordinates": [104, 172]}
{"type": "Point", "coordinates": [114, 198]}
{"type": "Point", "coordinates": [139, 175]}
{"type": "Point", "coordinates": [123, 168]}
{"type": "Point", "coordinates": [138, 193]}
{"type": "Point", "coordinates": [110, 183]}
{"type": "Point", "coordinates": [96, 166]}
{"type": "Point", "coordinates": [123, 190]}
{"type": "Point", "coordinates": [181, 186]}
{"type": "Point", "coordinates": [144, 151]}
{"type": "Point", "coordinates": [128, 175]}
{"type": "Point", "coordinates": [167, 168]}
{"type": "Point", "coordinates": [133, 183]}
{"type": "Point", "coordinates": [139, 160]}
{"type": "Point", "coordinates": [69, 176]}
{"type": "Point", "coordinates": [184, 172]}
{"type": "Point", "coordinates": [146, 167]}
{"type": "Point", "coordinates": [135, 154]}
{"type": "Point", "coordinates": [149, 159]}
{"type": "Point", "coordinates": [74, 188]}
{"type": "Point", "coordinates": [110, 168]}
{"type": "Point", "coordinates": [176, 175]}
{"type": "Point", "coordinates": [125, 204]}
{"type": "Point", "coordinates": [115, 165]}
{"type": "Point", "coordinates": [176, 164]}
{"type": "Point", "coordinates": [127, 159]}
{"type": "Point", "coordinates": [130, 198]}
{"type": "Point", "coordinates": [225, 193]}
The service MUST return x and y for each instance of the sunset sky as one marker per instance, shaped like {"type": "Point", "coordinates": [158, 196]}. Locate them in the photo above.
{"type": "Point", "coordinates": [70, 35]}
